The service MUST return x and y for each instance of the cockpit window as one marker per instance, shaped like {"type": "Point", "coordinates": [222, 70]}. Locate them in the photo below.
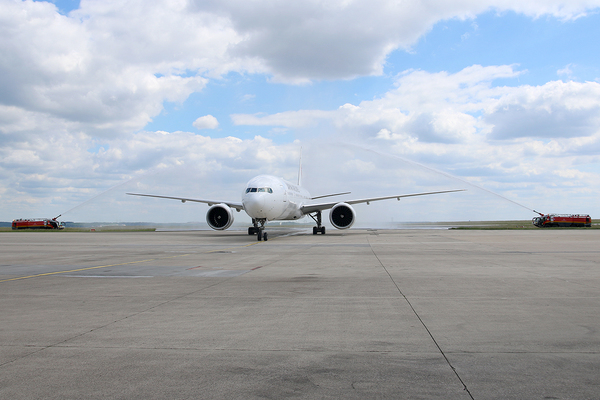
{"type": "Point", "coordinates": [254, 190]}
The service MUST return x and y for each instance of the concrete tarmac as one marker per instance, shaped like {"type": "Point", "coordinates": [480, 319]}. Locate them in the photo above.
{"type": "Point", "coordinates": [358, 314]}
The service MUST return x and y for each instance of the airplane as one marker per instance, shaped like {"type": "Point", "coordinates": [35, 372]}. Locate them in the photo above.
{"type": "Point", "coordinates": [269, 198]}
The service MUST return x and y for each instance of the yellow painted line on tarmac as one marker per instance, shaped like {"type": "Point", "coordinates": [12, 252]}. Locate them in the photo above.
{"type": "Point", "coordinates": [73, 270]}
{"type": "Point", "coordinates": [89, 268]}
{"type": "Point", "coordinates": [116, 265]}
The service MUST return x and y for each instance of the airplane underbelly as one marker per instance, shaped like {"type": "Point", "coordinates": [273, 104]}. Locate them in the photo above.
{"type": "Point", "coordinates": [275, 210]}
{"type": "Point", "coordinates": [290, 212]}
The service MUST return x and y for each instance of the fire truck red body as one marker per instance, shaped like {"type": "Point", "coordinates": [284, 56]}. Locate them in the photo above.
{"type": "Point", "coordinates": [562, 220]}
{"type": "Point", "coordinates": [37, 223]}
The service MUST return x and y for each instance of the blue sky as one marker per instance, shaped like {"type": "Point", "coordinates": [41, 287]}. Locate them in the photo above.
{"type": "Point", "coordinates": [194, 98]}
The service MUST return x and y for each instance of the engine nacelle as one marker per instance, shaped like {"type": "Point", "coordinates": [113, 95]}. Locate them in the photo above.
{"type": "Point", "coordinates": [219, 217]}
{"type": "Point", "coordinates": [342, 216]}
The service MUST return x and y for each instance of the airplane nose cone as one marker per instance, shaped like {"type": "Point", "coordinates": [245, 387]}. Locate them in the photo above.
{"type": "Point", "coordinates": [254, 204]}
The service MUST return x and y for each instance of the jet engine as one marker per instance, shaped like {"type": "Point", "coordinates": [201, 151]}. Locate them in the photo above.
{"type": "Point", "coordinates": [219, 217]}
{"type": "Point", "coordinates": [342, 216]}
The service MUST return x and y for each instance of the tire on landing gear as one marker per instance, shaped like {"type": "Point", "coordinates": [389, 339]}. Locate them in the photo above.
{"type": "Point", "coordinates": [320, 230]}
{"type": "Point", "coordinates": [251, 230]}
{"type": "Point", "coordinates": [260, 235]}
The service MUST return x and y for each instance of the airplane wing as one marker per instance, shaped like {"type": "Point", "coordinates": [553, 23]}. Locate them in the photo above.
{"type": "Point", "coordinates": [310, 208]}
{"type": "Point", "coordinates": [329, 195]}
{"type": "Point", "coordinates": [236, 205]}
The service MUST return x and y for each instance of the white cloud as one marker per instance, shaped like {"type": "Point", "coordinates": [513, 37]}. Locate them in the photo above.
{"type": "Point", "coordinates": [460, 107]}
{"type": "Point", "coordinates": [567, 70]}
{"type": "Point", "coordinates": [107, 68]}
{"type": "Point", "coordinates": [104, 69]}
{"type": "Point", "coordinates": [555, 109]}
{"type": "Point", "coordinates": [457, 120]}
{"type": "Point", "coordinates": [56, 173]}
{"type": "Point", "coordinates": [301, 41]}
{"type": "Point", "coordinates": [206, 122]}
{"type": "Point", "coordinates": [76, 91]}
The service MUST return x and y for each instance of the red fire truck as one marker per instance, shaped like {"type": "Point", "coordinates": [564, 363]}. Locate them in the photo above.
{"type": "Point", "coordinates": [562, 220]}
{"type": "Point", "coordinates": [37, 223]}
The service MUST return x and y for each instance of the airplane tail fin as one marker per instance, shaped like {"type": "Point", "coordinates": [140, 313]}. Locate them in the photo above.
{"type": "Point", "coordinates": [300, 169]}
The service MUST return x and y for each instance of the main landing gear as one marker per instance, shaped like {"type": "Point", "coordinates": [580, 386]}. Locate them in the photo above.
{"type": "Point", "coordinates": [319, 228]}
{"type": "Point", "coordinates": [258, 231]}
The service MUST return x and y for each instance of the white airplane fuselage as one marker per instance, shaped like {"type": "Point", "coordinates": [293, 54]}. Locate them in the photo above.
{"type": "Point", "coordinates": [270, 198]}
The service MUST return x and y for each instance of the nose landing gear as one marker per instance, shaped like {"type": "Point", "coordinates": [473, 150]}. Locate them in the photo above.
{"type": "Point", "coordinates": [258, 230]}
